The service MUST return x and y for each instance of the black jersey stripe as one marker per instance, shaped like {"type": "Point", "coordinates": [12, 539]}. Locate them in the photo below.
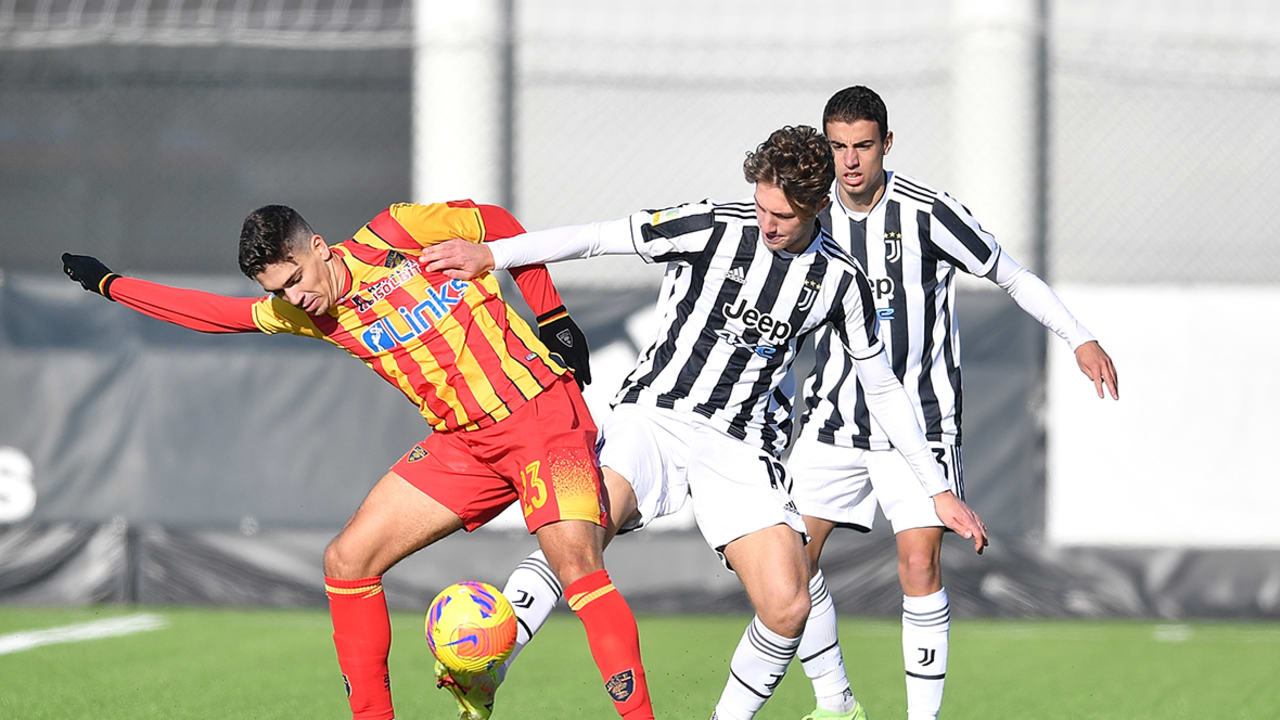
{"type": "Point", "coordinates": [953, 362]}
{"type": "Point", "coordinates": [905, 182]}
{"type": "Point", "coordinates": [898, 326]}
{"type": "Point", "coordinates": [962, 232]}
{"type": "Point", "coordinates": [929, 281]}
{"type": "Point", "coordinates": [913, 195]}
{"type": "Point", "coordinates": [679, 226]}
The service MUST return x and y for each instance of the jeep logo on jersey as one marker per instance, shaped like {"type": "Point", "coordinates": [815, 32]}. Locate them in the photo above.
{"type": "Point", "coordinates": [734, 339]}
{"type": "Point", "coordinates": [769, 327]}
{"type": "Point", "coordinates": [883, 288]}
{"type": "Point", "coordinates": [389, 331]}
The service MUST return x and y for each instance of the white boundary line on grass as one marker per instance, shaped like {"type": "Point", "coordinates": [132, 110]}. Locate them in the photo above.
{"type": "Point", "coordinates": [79, 632]}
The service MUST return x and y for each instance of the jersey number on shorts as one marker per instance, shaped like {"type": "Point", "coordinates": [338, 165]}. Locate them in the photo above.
{"type": "Point", "coordinates": [778, 477]}
{"type": "Point", "coordinates": [940, 454]}
{"type": "Point", "coordinates": [535, 489]}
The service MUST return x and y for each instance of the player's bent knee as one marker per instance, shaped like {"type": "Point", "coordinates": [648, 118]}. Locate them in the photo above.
{"type": "Point", "coordinates": [344, 561]}
{"type": "Point", "coordinates": [786, 615]}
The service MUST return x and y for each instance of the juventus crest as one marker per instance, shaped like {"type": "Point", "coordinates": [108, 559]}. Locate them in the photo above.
{"type": "Point", "coordinates": [893, 247]}
{"type": "Point", "coordinates": [808, 293]}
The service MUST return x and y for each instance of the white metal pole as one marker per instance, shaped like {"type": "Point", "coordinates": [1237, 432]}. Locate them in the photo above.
{"type": "Point", "coordinates": [457, 101]}
{"type": "Point", "coordinates": [995, 115]}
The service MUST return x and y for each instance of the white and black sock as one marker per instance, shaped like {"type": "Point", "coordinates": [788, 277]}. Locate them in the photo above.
{"type": "Point", "coordinates": [819, 651]}
{"type": "Point", "coordinates": [755, 670]}
{"type": "Point", "coordinates": [533, 591]}
{"type": "Point", "coordinates": [926, 623]}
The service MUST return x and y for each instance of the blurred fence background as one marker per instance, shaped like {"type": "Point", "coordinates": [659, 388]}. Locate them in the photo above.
{"type": "Point", "coordinates": [1120, 148]}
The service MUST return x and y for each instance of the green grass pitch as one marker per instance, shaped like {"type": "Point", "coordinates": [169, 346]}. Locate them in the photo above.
{"type": "Point", "coordinates": [231, 664]}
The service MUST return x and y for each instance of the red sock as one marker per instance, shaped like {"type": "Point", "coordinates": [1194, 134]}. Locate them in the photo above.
{"type": "Point", "coordinates": [615, 642]}
{"type": "Point", "coordinates": [362, 636]}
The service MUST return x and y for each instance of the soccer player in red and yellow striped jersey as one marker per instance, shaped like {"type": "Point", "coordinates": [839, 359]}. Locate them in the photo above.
{"type": "Point", "coordinates": [509, 421]}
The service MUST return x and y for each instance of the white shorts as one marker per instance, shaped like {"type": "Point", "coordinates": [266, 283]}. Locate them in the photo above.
{"type": "Point", "coordinates": [844, 485]}
{"type": "Point", "coordinates": [668, 456]}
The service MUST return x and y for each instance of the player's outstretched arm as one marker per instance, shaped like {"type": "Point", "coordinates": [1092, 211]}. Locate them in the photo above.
{"type": "Point", "coordinates": [543, 246]}
{"type": "Point", "coordinates": [556, 329]}
{"type": "Point", "coordinates": [192, 309]}
{"type": "Point", "coordinates": [1039, 300]}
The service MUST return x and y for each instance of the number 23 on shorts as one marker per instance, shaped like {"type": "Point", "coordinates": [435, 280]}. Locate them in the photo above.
{"type": "Point", "coordinates": [534, 488]}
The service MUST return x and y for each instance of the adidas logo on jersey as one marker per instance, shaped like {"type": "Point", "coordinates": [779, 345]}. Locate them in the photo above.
{"type": "Point", "coordinates": [736, 275]}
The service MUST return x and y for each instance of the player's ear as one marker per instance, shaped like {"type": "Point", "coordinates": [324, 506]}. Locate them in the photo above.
{"type": "Point", "coordinates": [888, 141]}
{"type": "Point", "coordinates": [320, 247]}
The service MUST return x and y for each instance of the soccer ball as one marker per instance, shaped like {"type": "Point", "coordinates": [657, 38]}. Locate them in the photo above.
{"type": "Point", "coordinates": [471, 627]}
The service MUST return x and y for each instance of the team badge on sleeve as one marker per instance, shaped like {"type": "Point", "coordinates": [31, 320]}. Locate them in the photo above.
{"type": "Point", "coordinates": [417, 453]}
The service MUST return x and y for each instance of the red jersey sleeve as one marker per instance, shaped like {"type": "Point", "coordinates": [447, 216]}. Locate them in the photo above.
{"type": "Point", "coordinates": [192, 309]}
{"type": "Point", "coordinates": [533, 280]}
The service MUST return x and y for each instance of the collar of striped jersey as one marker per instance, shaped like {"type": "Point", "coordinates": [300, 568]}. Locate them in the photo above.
{"type": "Point", "coordinates": [884, 197]}
{"type": "Point", "coordinates": [809, 249]}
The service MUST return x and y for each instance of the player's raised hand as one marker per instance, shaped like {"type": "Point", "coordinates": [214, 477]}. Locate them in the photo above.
{"type": "Point", "coordinates": [458, 259]}
{"type": "Point", "coordinates": [958, 516]}
{"type": "Point", "coordinates": [1096, 364]}
{"type": "Point", "coordinates": [89, 272]}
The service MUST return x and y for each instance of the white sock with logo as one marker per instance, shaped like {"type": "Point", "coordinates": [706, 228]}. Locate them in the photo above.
{"type": "Point", "coordinates": [926, 624]}
{"type": "Point", "coordinates": [533, 591]}
{"type": "Point", "coordinates": [756, 669]}
{"type": "Point", "coordinates": [819, 651]}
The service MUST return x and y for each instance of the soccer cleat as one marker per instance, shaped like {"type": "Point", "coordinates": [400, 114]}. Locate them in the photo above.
{"type": "Point", "coordinates": [857, 713]}
{"type": "Point", "coordinates": [473, 691]}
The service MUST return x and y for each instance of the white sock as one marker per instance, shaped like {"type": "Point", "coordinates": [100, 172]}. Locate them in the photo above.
{"type": "Point", "coordinates": [533, 591]}
{"type": "Point", "coordinates": [755, 670]}
{"type": "Point", "coordinates": [926, 622]}
{"type": "Point", "coordinates": [819, 651]}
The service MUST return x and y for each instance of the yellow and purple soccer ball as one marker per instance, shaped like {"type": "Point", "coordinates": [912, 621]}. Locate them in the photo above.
{"type": "Point", "coordinates": [471, 627]}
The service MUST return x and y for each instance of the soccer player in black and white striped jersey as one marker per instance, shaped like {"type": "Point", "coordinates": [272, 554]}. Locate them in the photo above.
{"type": "Point", "coordinates": [911, 239]}
{"type": "Point", "coordinates": [745, 284]}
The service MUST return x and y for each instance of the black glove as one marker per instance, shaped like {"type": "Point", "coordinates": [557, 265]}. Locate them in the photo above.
{"type": "Point", "coordinates": [567, 344]}
{"type": "Point", "coordinates": [89, 272]}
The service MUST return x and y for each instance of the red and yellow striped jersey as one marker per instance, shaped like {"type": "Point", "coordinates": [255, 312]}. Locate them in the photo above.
{"type": "Point", "coordinates": [453, 347]}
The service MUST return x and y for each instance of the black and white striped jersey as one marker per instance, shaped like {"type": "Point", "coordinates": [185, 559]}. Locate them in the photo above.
{"type": "Point", "coordinates": [911, 244]}
{"type": "Point", "coordinates": [732, 314]}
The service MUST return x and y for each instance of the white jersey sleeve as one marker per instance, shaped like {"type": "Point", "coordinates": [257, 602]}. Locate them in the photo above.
{"type": "Point", "coordinates": [676, 234]}
{"type": "Point", "coordinates": [571, 242]}
{"type": "Point", "coordinates": [956, 237]}
{"type": "Point", "coordinates": [1039, 300]}
{"type": "Point", "coordinates": [856, 323]}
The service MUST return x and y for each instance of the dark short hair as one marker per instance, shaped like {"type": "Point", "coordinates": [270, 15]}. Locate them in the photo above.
{"type": "Point", "coordinates": [857, 103]}
{"type": "Point", "coordinates": [270, 235]}
{"type": "Point", "coordinates": [798, 160]}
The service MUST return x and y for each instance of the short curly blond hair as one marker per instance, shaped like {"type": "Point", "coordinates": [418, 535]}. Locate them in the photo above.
{"type": "Point", "coordinates": [797, 160]}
